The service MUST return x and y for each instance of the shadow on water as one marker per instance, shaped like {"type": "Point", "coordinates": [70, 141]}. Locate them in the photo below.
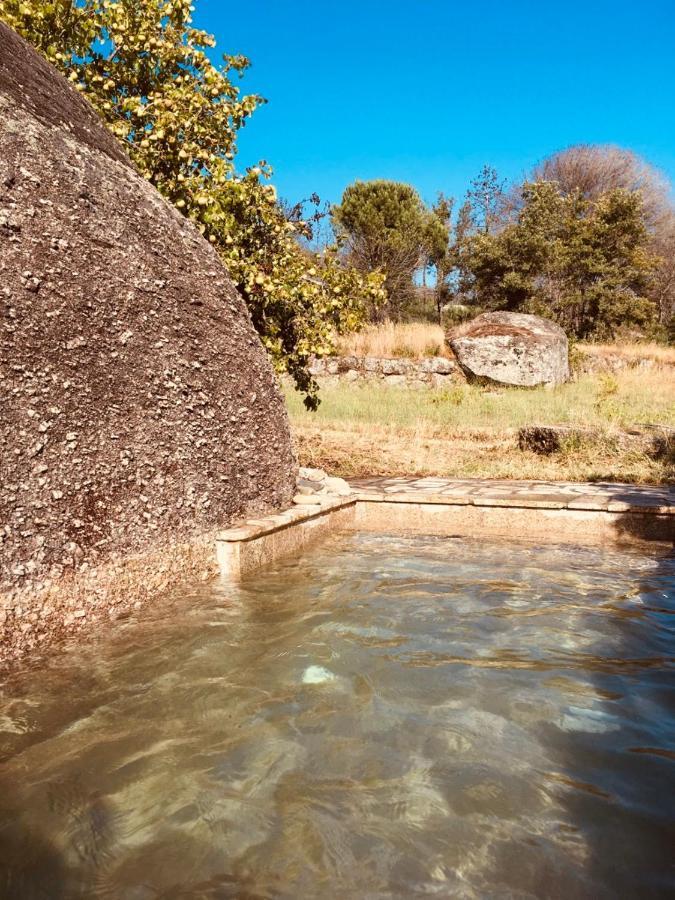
{"type": "Point", "coordinates": [60, 837]}
{"type": "Point", "coordinates": [55, 833]}
{"type": "Point", "coordinates": [33, 867]}
{"type": "Point", "coordinates": [618, 768]}
{"type": "Point", "coordinates": [30, 867]}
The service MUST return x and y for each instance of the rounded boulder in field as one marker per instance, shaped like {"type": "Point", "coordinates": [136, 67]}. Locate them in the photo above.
{"type": "Point", "coordinates": [514, 349]}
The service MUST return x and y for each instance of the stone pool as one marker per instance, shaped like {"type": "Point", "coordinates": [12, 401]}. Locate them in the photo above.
{"type": "Point", "coordinates": [383, 716]}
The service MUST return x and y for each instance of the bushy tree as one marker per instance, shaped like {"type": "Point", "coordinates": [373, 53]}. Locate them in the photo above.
{"type": "Point", "coordinates": [146, 70]}
{"type": "Point", "coordinates": [584, 263]}
{"type": "Point", "coordinates": [663, 286]}
{"type": "Point", "coordinates": [485, 210]}
{"type": "Point", "coordinates": [593, 170]}
{"type": "Point", "coordinates": [385, 225]}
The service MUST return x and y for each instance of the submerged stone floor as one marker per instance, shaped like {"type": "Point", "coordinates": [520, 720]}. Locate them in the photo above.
{"type": "Point", "coordinates": [612, 497]}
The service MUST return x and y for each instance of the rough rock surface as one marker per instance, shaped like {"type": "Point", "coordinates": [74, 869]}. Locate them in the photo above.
{"type": "Point", "coordinates": [513, 348]}
{"type": "Point", "coordinates": [137, 405]}
{"type": "Point", "coordinates": [315, 484]}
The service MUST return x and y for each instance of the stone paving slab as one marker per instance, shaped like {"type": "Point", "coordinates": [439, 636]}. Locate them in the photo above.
{"type": "Point", "coordinates": [607, 496]}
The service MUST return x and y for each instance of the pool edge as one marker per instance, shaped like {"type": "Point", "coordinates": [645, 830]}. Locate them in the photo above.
{"type": "Point", "coordinates": [256, 543]}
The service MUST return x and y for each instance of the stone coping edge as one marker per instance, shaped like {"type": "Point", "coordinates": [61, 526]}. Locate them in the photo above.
{"type": "Point", "coordinates": [591, 502]}
{"type": "Point", "coordinates": [250, 529]}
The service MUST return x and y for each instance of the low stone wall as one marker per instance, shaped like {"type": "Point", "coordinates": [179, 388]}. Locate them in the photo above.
{"type": "Point", "coordinates": [437, 371]}
{"type": "Point", "coordinates": [434, 371]}
{"type": "Point", "coordinates": [612, 515]}
{"type": "Point", "coordinates": [589, 364]}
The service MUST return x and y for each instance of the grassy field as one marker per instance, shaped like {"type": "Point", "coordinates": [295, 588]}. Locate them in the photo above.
{"type": "Point", "coordinates": [472, 431]}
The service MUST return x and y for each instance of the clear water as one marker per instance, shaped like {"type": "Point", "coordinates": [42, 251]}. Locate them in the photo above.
{"type": "Point", "coordinates": [384, 717]}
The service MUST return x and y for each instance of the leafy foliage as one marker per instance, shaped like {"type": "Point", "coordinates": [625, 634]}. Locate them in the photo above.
{"type": "Point", "coordinates": [595, 169]}
{"type": "Point", "coordinates": [584, 263]}
{"type": "Point", "coordinates": [146, 69]}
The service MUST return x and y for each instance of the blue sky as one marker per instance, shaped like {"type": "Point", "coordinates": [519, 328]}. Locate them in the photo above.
{"type": "Point", "coordinates": [426, 92]}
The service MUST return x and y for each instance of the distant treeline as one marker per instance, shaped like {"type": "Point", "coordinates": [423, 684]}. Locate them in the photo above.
{"type": "Point", "coordinates": [587, 239]}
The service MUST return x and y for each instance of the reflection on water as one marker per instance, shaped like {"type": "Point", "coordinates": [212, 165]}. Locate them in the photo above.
{"type": "Point", "coordinates": [385, 717]}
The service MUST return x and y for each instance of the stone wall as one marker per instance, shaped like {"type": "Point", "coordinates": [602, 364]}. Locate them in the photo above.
{"type": "Point", "coordinates": [433, 371]}
{"type": "Point", "coordinates": [437, 371]}
{"type": "Point", "coordinates": [589, 364]}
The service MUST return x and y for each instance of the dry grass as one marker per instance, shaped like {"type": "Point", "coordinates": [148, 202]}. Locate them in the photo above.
{"type": "Point", "coordinates": [384, 450]}
{"type": "Point", "coordinates": [657, 353]}
{"type": "Point", "coordinates": [471, 431]}
{"type": "Point", "coordinates": [419, 339]}
{"type": "Point", "coordinates": [460, 329]}
{"type": "Point", "coordinates": [390, 339]}
{"type": "Point", "coordinates": [629, 397]}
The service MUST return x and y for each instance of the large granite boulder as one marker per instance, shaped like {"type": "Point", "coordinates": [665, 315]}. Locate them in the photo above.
{"type": "Point", "coordinates": [137, 405]}
{"type": "Point", "coordinates": [513, 348]}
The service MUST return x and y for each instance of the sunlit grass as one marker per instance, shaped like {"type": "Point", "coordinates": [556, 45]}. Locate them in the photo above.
{"type": "Point", "coordinates": [657, 353]}
{"type": "Point", "coordinates": [629, 398]}
{"type": "Point", "coordinates": [467, 430]}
